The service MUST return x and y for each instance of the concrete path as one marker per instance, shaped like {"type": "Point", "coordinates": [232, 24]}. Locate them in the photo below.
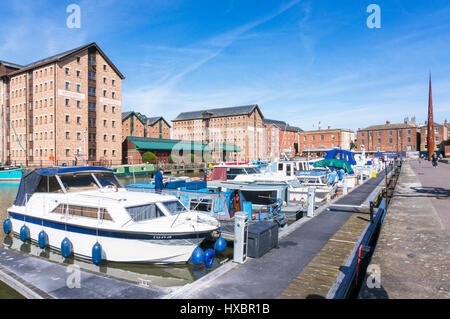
{"type": "Point", "coordinates": [41, 279]}
{"type": "Point", "coordinates": [413, 250]}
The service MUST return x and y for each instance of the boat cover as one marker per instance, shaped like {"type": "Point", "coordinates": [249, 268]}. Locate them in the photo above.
{"type": "Point", "coordinates": [335, 163]}
{"type": "Point", "coordinates": [30, 180]}
{"type": "Point", "coordinates": [341, 155]}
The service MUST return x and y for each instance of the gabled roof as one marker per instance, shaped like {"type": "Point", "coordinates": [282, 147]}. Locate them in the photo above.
{"type": "Point", "coordinates": [282, 125]}
{"type": "Point", "coordinates": [11, 65]}
{"type": "Point", "coordinates": [218, 112]}
{"type": "Point", "coordinates": [126, 115]}
{"type": "Point", "coordinates": [275, 122]}
{"type": "Point", "coordinates": [153, 120]}
{"type": "Point", "coordinates": [66, 54]}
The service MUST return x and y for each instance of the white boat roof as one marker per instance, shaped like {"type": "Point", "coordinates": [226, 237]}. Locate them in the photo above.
{"type": "Point", "coordinates": [122, 196]}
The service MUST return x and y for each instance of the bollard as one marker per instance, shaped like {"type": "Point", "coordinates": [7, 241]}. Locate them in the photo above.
{"type": "Point", "coordinates": [240, 237]}
{"type": "Point", "coordinates": [345, 186]}
{"type": "Point", "coordinates": [311, 197]}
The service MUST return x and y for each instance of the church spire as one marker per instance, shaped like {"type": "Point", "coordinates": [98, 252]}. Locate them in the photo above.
{"type": "Point", "coordinates": [430, 127]}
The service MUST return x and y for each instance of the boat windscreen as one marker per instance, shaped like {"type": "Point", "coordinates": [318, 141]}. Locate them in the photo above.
{"type": "Point", "coordinates": [174, 207]}
{"type": "Point", "coordinates": [253, 170]}
{"type": "Point", "coordinates": [78, 182]}
{"type": "Point", "coordinates": [107, 179]}
{"type": "Point", "coordinates": [260, 197]}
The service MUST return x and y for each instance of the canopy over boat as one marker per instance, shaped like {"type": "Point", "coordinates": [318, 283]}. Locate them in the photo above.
{"type": "Point", "coordinates": [32, 181]}
{"type": "Point", "coordinates": [341, 155]}
{"type": "Point", "coordinates": [335, 163]}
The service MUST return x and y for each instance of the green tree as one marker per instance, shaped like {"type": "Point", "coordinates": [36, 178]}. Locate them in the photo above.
{"type": "Point", "coordinates": [149, 157]}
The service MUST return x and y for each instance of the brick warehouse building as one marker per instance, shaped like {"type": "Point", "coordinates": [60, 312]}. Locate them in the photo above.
{"type": "Point", "coordinates": [62, 107]}
{"type": "Point", "coordinates": [240, 127]}
{"type": "Point", "coordinates": [397, 137]}
{"type": "Point", "coordinates": [137, 124]}
{"type": "Point", "coordinates": [326, 139]}
{"type": "Point", "coordinates": [281, 137]}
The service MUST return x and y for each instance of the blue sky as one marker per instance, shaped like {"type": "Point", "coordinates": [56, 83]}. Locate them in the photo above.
{"type": "Point", "coordinates": [300, 61]}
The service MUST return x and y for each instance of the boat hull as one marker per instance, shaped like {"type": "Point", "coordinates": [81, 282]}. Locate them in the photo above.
{"type": "Point", "coordinates": [11, 175]}
{"type": "Point", "coordinates": [117, 246]}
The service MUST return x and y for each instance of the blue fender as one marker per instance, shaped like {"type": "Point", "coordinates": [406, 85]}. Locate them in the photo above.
{"type": "Point", "coordinates": [7, 226]}
{"type": "Point", "coordinates": [24, 233]}
{"type": "Point", "coordinates": [66, 248]}
{"type": "Point", "coordinates": [209, 257]}
{"type": "Point", "coordinates": [96, 253]}
{"type": "Point", "coordinates": [198, 256]}
{"type": "Point", "coordinates": [43, 239]}
{"type": "Point", "coordinates": [220, 244]}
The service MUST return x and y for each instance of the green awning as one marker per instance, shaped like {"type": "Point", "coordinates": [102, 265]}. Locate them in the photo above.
{"type": "Point", "coordinates": [168, 145]}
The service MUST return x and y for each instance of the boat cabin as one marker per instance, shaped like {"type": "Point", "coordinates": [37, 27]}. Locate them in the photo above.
{"type": "Point", "coordinates": [229, 172]}
{"type": "Point", "coordinates": [64, 180]}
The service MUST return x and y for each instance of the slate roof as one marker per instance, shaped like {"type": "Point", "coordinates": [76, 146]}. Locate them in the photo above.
{"type": "Point", "coordinates": [65, 54]}
{"type": "Point", "coordinates": [125, 115]}
{"type": "Point", "coordinates": [218, 112]}
{"type": "Point", "coordinates": [282, 125]}
{"type": "Point", "coordinates": [11, 65]}
{"type": "Point", "coordinates": [390, 126]}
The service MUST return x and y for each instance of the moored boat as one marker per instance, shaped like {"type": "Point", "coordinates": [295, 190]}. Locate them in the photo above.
{"type": "Point", "coordinates": [72, 209]}
{"type": "Point", "coordinates": [10, 174]}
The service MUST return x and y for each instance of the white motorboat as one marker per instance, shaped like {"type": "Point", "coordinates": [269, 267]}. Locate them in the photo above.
{"type": "Point", "coordinates": [87, 205]}
{"type": "Point", "coordinates": [297, 184]}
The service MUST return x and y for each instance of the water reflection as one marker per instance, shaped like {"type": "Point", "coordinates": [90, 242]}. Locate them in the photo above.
{"type": "Point", "coordinates": [164, 275]}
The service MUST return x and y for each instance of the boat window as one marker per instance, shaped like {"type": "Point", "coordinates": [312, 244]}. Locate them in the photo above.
{"type": "Point", "coordinates": [78, 182]}
{"type": "Point", "coordinates": [107, 179]}
{"type": "Point", "coordinates": [260, 197]}
{"type": "Point", "coordinates": [174, 207]}
{"type": "Point", "coordinates": [83, 211]}
{"type": "Point", "coordinates": [288, 169]}
{"type": "Point", "coordinates": [49, 184]}
{"type": "Point", "coordinates": [232, 172]}
{"type": "Point", "coordinates": [144, 212]}
{"type": "Point", "coordinates": [280, 166]}
{"type": "Point", "coordinates": [201, 204]}
{"type": "Point", "coordinates": [253, 170]}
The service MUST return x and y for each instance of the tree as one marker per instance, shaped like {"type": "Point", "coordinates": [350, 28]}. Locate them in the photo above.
{"type": "Point", "coordinates": [149, 157]}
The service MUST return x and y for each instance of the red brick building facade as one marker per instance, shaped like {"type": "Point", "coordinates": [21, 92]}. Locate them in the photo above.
{"type": "Point", "coordinates": [326, 139]}
{"type": "Point", "coordinates": [60, 108]}
{"type": "Point", "coordinates": [398, 137]}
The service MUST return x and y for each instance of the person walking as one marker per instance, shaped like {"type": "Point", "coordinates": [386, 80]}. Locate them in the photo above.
{"type": "Point", "coordinates": [434, 159]}
{"type": "Point", "coordinates": [159, 181]}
